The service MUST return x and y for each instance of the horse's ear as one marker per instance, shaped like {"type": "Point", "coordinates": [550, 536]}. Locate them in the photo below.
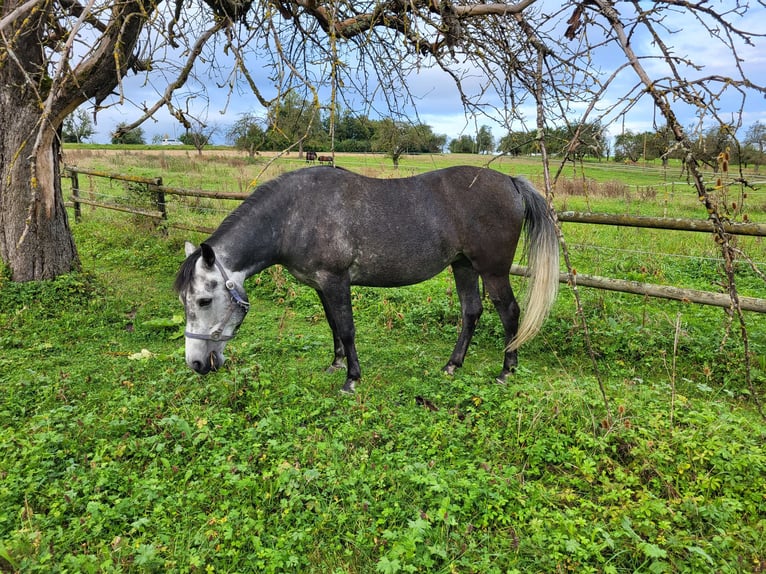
{"type": "Point", "coordinates": [208, 255]}
{"type": "Point", "coordinates": [189, 248]}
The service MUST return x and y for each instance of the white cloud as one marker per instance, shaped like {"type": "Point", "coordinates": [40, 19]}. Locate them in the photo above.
{"type": "Point", "coordinates": [438, 100]}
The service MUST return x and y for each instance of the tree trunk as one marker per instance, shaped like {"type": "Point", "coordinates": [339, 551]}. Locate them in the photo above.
{"type": "Point", "coordinates": [35, 239]}
{"type": "Point", "coordinates": [35, 242]}
{"type": "Point", "coordinates": [39, 87]}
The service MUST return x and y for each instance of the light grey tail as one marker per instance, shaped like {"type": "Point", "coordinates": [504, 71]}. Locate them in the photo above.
{"type": "Point", "coordinates": [542, 254]}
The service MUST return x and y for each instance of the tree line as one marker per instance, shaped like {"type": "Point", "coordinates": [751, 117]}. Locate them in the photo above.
{"type": "Point", "coordinates": [295, 123]}
{"type": "Point", "coordinates": [707, 146]}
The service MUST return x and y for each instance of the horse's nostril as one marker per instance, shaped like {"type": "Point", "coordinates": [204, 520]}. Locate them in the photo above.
{"type": "Point", "coordinates": [197, 366]}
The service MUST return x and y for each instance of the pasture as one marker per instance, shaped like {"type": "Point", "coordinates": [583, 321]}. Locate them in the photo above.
{"type": "Point", "coordinates": [115, 457]}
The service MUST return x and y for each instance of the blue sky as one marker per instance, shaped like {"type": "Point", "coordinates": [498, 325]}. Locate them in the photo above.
{"type": "Point", "coordinates": [438, 101]}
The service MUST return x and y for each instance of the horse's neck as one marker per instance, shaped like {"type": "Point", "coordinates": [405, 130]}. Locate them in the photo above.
{"type": "Point", "coordinates": [247, 244]}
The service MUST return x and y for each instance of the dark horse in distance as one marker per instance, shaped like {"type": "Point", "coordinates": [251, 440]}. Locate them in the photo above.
{"type": "Point", "coordinates": [332, 229]}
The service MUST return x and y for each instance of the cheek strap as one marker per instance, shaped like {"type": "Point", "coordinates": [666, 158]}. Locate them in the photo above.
{"type": "Point", "coordinates": [238, 301]}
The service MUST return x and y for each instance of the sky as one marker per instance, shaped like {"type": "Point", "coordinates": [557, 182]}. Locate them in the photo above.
{"type": "Point", "coordinates": [438, 100]}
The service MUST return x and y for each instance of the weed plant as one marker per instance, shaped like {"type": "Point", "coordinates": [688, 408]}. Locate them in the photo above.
{"type": "Point", "coordinates": [115, 457]}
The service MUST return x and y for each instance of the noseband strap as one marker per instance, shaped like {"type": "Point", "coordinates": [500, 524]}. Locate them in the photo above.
{"type": "Point", "coordinates": [237, 301]}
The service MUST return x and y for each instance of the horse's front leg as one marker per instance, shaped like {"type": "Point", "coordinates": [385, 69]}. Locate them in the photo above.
{"type": "Point", "coordinates": [336, 299]}
{"type": "Point", "coordinates": [339, 353]}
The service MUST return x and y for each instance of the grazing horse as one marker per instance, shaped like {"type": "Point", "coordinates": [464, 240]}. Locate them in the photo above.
{"type": "Point", "coordinates": [325, 159]}
{"type": "Point", "coordinates": [332, 229]}
{"type": "Point", "coordinates": [311, 156]}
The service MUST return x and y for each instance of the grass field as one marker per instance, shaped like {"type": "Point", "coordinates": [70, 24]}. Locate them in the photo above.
{"type": "Point", "coordinates": [114, 457]}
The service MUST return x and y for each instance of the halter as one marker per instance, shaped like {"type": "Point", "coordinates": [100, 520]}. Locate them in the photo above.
{"type": "Point", "coordinates": [237, 302]}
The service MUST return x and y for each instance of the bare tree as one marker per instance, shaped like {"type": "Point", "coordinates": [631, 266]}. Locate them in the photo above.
{"type": "Point", "coordinates": [518, 63]}
{"type": "Point", "coordinates": [199, 135]}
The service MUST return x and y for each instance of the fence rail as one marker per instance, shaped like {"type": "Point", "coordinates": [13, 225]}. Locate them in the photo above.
{"type": "Point", "coordinates": [154, 185]}
{"type": "Point", "coordinates": [752, 229]}
{"type": "Point", "coordinates": [658, 291]}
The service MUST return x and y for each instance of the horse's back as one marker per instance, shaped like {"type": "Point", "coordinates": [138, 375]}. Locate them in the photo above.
{"type": "Point", "coordinates": [391, 232]}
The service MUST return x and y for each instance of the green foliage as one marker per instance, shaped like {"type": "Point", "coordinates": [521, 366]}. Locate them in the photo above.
{"type": "Point", "coordinates": [78, 127]}
{"type": "Point", "coordinates": [130, 137]}
{"type": "Point", "coordinates": [396, 138]}
{"type": "Point", "coordinates": [247, 134]}
{"type": "Point", "coordinates": [484, 140]}
{"type": "Point", "coordinates": [518, 143]}
{"type": "Point", "coordinates": [115, 457]}
{"type": "Point", "coordinates": [463, 144]}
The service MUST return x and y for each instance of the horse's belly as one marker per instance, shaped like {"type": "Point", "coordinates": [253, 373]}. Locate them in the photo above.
{"type": "Point", "coordinates": [383, 271]}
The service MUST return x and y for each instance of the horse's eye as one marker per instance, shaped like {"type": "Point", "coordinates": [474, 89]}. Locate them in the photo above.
{"type": "Point", "coordinates": [204, 302]}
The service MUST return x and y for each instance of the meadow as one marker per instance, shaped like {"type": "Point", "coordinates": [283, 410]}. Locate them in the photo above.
{"type": "Point", "coordinates": [115, 457]}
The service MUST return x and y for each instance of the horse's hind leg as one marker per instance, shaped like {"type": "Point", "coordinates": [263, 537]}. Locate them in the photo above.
{"type": "Point", "coordinates": [339, 354]}
{"type": "Point", "coordinates": [501, 294]}
{"type": "Point", "coordinates": [467, 284]}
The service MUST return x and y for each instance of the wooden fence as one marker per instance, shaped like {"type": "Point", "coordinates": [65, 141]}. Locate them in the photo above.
{"type": "Point", "coordinates": [154, 187]}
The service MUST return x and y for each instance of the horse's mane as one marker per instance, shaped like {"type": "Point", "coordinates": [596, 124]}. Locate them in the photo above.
{"type": "Point", "coordinates": [186, 272]}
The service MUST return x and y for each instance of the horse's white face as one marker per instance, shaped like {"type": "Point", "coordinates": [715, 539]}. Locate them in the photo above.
{"type": "Point", "coordinates": [212, 314]}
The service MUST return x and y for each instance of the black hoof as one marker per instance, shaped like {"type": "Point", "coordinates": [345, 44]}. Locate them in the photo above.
{"type": "Point", "coordinates": [349, 388]}
{"type": "Point", "coordinates": [335, 366]}
{"type": "Point", "coordinates": [502, 378]}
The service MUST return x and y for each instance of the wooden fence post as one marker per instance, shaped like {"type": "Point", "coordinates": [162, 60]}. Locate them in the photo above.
{"type": "Point", "coordinates": [161, 207]}
{"type": "Point", "coordinates": [75, 194]}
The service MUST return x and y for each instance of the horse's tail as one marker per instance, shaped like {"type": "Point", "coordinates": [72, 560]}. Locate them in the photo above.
{"type": "Point", "coordinates": [542, 254]}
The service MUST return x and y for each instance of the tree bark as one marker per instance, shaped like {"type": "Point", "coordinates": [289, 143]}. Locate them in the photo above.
{"type": "Point", "coordinates": [39, 88]}
{"type": "Point", "coordinates": [36, 241]}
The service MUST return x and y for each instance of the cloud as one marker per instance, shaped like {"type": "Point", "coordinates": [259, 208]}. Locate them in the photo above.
{"type": "Point", "coordinates": [438, 101]}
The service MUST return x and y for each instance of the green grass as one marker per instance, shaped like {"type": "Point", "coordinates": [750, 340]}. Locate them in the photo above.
{"type": "Point", "coordinates": [114, 457]}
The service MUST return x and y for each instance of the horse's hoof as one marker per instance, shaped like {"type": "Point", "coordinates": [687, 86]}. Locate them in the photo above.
{"type": "Point", "coordinates": [349, 388]}
{"type": "Point", "coordinates": [449, 369]}
{"type": "Point", "coordinates": [336, 365]}
{"type": "Point", "coordinates": [502, 378]}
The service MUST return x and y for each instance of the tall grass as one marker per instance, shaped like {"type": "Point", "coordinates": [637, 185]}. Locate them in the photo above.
{"type": "Point", "coordinates": [114, 457]}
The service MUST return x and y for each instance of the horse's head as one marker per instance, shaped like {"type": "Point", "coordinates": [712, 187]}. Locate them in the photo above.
{"type": "Point", "coordinates": [215, 307]}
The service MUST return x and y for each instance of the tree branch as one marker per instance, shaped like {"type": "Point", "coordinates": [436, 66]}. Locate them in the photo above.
{"type": "Point", "coordinates": [167, 97]}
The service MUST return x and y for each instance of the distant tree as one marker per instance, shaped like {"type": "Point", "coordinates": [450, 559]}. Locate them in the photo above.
{"type": "Point", "coordinates": [659, 145]}
{"type": "Point", "coordinates": [353, 132]}
{"type": "Point", "coordinates": [485, 143]}
{"type": "Point", "coordinates": [586, 139]}
{"type": "Point", "coordinates": [121, 136]}
{"type": "Point", "coordinates": [422, 139]}
{"type": "Point", "coordinates": [576, 141]}
{"type": "Point", "coordinates": [647, 145]}
{"type": "Point", "coordinates": [395, 138]}
{"type": "Point", "coordinates": [628, 146]}
{"type": "Point", "coordinates": [463, 144]}
{"type": "Point", "coordinates": [755, 143]}
{"type": "Point", "coordinates": [391, 138]}
{"type": "Point", "coordinates": [247, 134]}
{"type": "Point", "coordinates": [199, 135]}
{"type": "Point", "coordinates": [78, 127]}
{"type": "Point", "coordinates": [293, 120]}
{"type": "Point", "coordinates": [518, 143]}
{"type": "Point", "coordinates": [712, 142]}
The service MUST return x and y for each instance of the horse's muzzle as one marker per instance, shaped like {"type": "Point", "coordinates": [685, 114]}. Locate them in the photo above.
{"type": "Point", "coordinates": [214, 361]}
